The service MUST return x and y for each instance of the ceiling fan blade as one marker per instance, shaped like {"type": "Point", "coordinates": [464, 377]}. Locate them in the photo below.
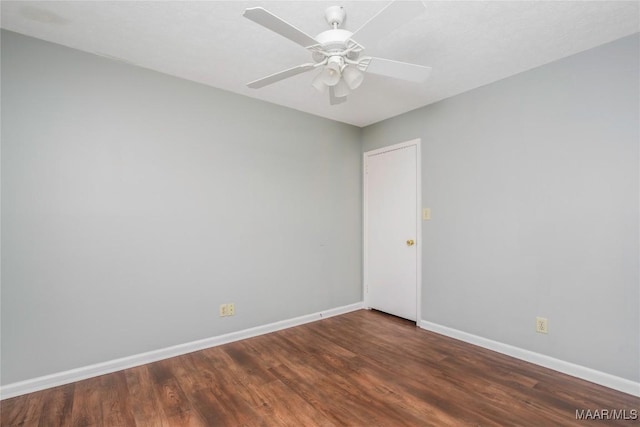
{"type": "Point", "coordinates": [388, 19]}
{"type": "Point", "coordinates": [268, 20]}
{"type": "Point", "coordinates": [273, 78]}
{"type": "Point", "coordinates": [335, 100]}
{"type": "Point", "coordinates": [398, 70]}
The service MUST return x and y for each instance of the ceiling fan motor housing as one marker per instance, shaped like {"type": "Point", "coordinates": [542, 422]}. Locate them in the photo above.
{"type": "Point", "coordinates": [334, 39]}
{"type": "Point", "coordinates": [335, 42]}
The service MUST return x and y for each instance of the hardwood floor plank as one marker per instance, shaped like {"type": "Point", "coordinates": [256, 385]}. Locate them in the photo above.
{"type": "Point", "coordinates": [277, 402]}
{"type": "Point", "coordinates": [57, 407]}
{"type": "Point", "coordinates": [321, 393]}
{"type": "Point", "coordinates": [10, 410]}
{"type": "Point", "coordinates": [145, 405]}
{"type": "Point", "coordinates": [246, 362]}
{"type": "Point", "coordinates": [364, 368]}
{"type": "Point", "coordinates": [217, 394]}
{"type": "Point", "coordinates": [116, 405]}
{"type": "Point", "coordinates": [24, 410]}
{"type": "Point", "coordinates": [173, 401]}
{"type": "Point", "coordinates": [87, 403]}
{"type": "Point", "coordinates": [340, 367]}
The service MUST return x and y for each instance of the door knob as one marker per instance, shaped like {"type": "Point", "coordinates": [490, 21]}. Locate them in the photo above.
{"type": "Point", "coordinates": [410, 242]}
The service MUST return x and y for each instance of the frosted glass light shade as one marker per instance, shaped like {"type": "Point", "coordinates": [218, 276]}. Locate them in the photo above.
{"type": "Point", "coordinates": [353, 77]}
{"type": "Point", "coordinates": [318, 82]}
{"type": "Point", "coordinates": [331, 74]}
{"type": "Point", "coordinates": [341, 89]}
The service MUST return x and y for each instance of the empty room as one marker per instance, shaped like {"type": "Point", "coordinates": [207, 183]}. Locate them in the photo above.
{"type": "Point", "coordinates": [319, 213]}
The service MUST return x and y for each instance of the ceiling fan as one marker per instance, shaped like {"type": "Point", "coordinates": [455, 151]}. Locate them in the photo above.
{"type": "Point", "coordinates": [337, 52]}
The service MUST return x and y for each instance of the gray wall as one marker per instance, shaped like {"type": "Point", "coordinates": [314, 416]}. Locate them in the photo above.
{"type": "Point", "coordinates": [533, 186]}
{"type": "Point", "coordinates": [134, 203]}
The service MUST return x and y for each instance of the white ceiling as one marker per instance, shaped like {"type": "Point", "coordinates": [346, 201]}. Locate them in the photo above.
{"type": "Point", "coordinates": [468, 43]}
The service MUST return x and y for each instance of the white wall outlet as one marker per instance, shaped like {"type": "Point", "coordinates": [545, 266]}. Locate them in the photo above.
{"type": "Point", "coordinates": [223, 310]}
{"type": "Point", "coordinates": [426, 214]}
{"type": "Point", "coordinates": [541, 325]}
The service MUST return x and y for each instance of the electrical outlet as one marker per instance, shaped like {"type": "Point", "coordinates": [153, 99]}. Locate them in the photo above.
{"type": "Point", "coordinates": [541, 325]}
{"type": "Point", "coordinates": [227, 310]}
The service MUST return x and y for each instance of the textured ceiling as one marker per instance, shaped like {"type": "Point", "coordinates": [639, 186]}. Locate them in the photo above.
{"type": "Point", "coordinates": [468, 44]}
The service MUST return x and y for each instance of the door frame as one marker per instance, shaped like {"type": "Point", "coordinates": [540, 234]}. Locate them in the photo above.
{"type": "Point", "coordinates": [365, 225]}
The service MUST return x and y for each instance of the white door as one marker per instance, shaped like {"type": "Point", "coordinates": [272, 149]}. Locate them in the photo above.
{"type": "Point", "coordinates": [391, 229]}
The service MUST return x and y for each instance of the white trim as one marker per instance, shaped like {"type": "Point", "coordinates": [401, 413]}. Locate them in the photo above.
{"type": "Point", "coordinates": [365, 222]}
{"type": "Point", "coordinates": [365, 227]}
{"type": "Point", "coordinates": [598, 377]}
{"type": "Point", "coordinates": [73, 375]}
{"type": "Point", "coordinates": [419, 236]}
{"type": "Point", "coordinates": [393, 147]}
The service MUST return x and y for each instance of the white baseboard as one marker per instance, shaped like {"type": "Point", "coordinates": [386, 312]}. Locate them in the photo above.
{"type": "Point", "coordinates": [73, 375]}
{"type": "Point", "coordinates": [598, 377]}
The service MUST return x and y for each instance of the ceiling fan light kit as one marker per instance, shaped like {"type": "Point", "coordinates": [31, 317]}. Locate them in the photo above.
{"type": "Point", "coordinates": [337, 52]}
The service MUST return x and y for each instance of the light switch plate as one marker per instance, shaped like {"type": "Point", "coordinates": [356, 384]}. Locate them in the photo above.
{"type": "Point", "coordinates": [426, 214]}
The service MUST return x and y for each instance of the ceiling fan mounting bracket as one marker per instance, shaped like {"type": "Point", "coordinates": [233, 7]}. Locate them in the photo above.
{"type": "Point", "coordinates": [335, 16]}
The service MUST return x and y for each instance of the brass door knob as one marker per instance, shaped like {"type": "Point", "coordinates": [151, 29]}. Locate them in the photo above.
{"type": "Point", "coordinates": [410, 242]}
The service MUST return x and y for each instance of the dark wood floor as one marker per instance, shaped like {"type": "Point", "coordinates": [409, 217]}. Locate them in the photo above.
{"type": "Point", "coordinates": [362, 369]}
